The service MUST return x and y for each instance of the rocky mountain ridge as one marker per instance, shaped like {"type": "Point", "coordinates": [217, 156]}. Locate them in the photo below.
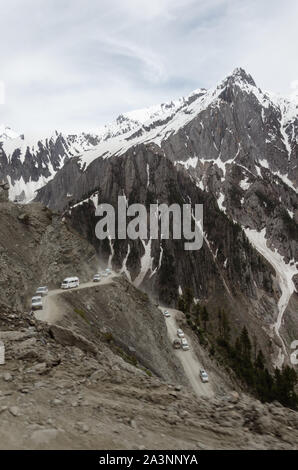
{"type": "Point", "coordinates": [278, 121]}
{"type": "Point", "coordinates": [30, 161]}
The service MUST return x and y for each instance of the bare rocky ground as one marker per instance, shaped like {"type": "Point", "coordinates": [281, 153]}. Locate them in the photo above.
{"type": "Point", "coordinates": [59, 390]}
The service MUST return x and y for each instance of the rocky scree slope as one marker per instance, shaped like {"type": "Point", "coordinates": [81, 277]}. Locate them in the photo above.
{"type": "Point", "coordinates": [61, 390]}
{"type": "Point", "coordinates": [126, 319]}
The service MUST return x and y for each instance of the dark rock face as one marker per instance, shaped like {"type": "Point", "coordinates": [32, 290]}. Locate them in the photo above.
{"type": "Point", "coordinates": [237, 128]}
{"type": "Point", "coordinates": [4, 187]}
{"type": "Point", "coordinates": [227, 271]}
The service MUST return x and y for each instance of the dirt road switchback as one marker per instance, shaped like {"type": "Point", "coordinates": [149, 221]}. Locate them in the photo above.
{"type": "Point", "coordinates": [188, 359]}
{"type": "Point", "coordinates": [51, 313]}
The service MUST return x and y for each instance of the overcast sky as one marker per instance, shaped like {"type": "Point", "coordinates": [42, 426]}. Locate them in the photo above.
{"type": "Point", "coordinates": [77, 64]}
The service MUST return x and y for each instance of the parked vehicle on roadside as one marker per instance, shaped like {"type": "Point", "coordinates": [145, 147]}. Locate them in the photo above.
{"type": "Point", "coordinates": [36, 302]}
{"type": "Point", "coordinates": [96, 277]}
{"type": "Point", "coordinates": [204, 376]}
{"type": "Point", "coordinates": [177, 344]}
{"type": "Point", "coordinates": [184, 344]}
{"type": "Point", "coordinates": [180, 333]}
{"type": "Point", "coordinates": [42, 291]}
{"type": "Point", "coordinates": [166, 314]}
{"type": "Point", "coordinates": [70, 282]}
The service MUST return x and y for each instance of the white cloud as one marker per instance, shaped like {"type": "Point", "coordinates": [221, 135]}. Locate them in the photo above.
{"type": "Point", "coordinates": [2, 92]}
{"type": "Point", "coordinates": [294, 87]}
{"type": "Point", "coordinates": [75, 64]}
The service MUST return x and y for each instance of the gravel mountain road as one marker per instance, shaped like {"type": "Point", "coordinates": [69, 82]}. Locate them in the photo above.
{"type": "Point", "coordinates": [188, 359]}
{"type": "Point", "coordinates": [51, 312]}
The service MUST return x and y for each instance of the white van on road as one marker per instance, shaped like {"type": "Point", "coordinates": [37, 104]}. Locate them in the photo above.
{"type": "Point", "coordinates": [36, 302]}
{"type": "Point", "coordinates": [70, 282]}
{"type": "Point", "coordinates": [42, 291]}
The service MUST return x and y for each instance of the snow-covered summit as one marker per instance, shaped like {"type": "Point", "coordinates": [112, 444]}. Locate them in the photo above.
{"type": "Point", "coordinates": [6, 133]}
{"type": "Point", "coordinates": [132, 120]}
{"type": "Point", "coordinates": [277, 122]}
{"type": "Point", "coordinates": [240, 76]}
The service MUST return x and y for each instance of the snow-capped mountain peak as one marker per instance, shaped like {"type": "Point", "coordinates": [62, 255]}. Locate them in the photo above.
{"type": "Point", "coordinates": [264, 118]}
{"type": "Point", "coordinates": [6, 133]}
{"type": "Point", "coordinates": [239, 75]}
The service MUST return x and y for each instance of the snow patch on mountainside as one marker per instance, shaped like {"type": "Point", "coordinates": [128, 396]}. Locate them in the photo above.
{"type": "Point", "coordinates": [244, 184]}
{"type": "Point", "coordinates": [112, 253]}
{"type": "Point", "coordinates": [28, 189]}
{"type": "Point", "coordinates": [285, 179]}
{"type": "Point", "coordinates": [288, 106]}
{"type": "Point", "coordinates": [146, 263]}
{"type": "Point", "coordinates": [220, 201]}
{"type": "Point", "coordinates": [191, 162]}
{"type": "Point", "coordinates": [146, 114]}
{"type": "Point", "coordinates": [159, 261]}
{"type": "Point", "coordinates": [284, 273]}
{"type": "Point", "coordinates": [124, 267]}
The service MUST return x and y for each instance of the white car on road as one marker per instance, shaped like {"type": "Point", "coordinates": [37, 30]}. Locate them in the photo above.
{"type": "Point", "coordinates": [204, 376]}
{"type": "Point", "coordinates": [36, 302]}
{"type": "Point", "coordinates": [96, 277]}
{"type": "Point", "coordinates": [184, 344]}
{"type": "Point", "coordinates": [42, 291]}
{"type": "Point", "coordinates": [166, 314]}
{"type": "Point", "coordinates": [180, 333]}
